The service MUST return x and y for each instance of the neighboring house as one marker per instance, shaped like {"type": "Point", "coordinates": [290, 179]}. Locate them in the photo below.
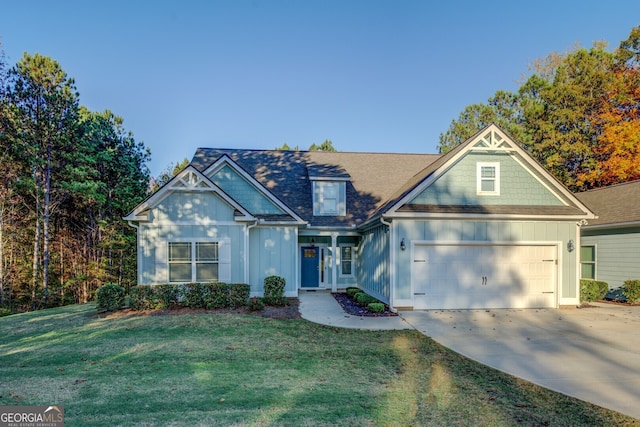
{"type": "Point", "coordinates": [483, 226]}
{"type": "Point", "coordinates": [610, 246]}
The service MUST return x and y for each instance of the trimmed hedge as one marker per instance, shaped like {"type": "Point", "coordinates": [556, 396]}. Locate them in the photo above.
{"type": "Point", "coordinates": [110, 297]}
{"type": "Point", "coordinates": [631, 290]}
{"type": "Point", "coordinates": [352, 292]}
{"type": "Point", "coordinates": [592, 290]}
{"type": "Point", "coordinates": [274, 290]}
{"type": "Point", "coordinates": [364, 299]}
{"type": "Point", "coordinates": [376, 307]}
{"type": "Point", "coordinates": [193, 295]}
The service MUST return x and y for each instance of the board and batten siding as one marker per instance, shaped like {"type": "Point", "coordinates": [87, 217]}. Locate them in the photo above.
{"type": "Point", "coordinates": [458, 185]}
{"type": "Point", "coordinates": [273, 251]}
{"type": "Point", "coordinates": [617, 254]}
{"type": "Point", "coordinates": [457, 231]}
{"type": "Point", "coordinates": [188, 216]}
{"type": "Point", "coordinates": [373, 263]}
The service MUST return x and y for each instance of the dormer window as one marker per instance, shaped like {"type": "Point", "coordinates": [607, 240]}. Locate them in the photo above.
{"type": "Point", "coordinates": [329, 198]}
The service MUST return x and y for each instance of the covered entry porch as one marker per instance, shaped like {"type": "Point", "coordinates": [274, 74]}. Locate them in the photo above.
{"type": "Point", "coordinates": [327, 260]}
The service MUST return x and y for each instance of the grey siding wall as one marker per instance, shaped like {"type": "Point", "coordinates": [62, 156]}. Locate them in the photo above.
{"type": "Point", "coordinates": [374, 269]}
{"type": "Point", "coordinates": [617, 254]}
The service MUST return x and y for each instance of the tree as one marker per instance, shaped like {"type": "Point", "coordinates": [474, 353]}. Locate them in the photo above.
{"type": "Point", "coordinates": [42, 113]}
{"type": "Point", "coordinates": [169, 172]}
{"type": "Point", "coordinates": [325, 146]}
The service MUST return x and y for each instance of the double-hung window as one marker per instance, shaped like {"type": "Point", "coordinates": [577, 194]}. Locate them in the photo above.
{"type": "Point", "coordinates": [588, 262]}
{"type": "Point", "coordinates": [193, 262]}
{"type": "Point", "coordinates": [329, 198]}
{"type": "Point", "coordinates": [347, 260]}
{"type": "Point", "coordinates": [488, 178]}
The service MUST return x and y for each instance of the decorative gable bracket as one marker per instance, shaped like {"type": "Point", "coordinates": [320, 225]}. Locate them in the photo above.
{"type": "Point", "coordinates": [190, 180]}
{"type": "Point", "coordinates": [492, 140]}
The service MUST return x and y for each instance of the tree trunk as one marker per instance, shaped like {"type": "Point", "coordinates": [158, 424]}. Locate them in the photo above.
{"type": "Point", "coordinates": [46, 218]}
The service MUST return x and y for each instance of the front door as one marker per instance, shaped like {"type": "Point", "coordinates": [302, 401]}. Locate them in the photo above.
{"type": "Point", "coordinates": [310, 262]}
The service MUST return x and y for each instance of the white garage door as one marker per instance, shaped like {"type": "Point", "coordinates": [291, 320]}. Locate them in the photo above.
{"type": "Point", "coordinates": [487, 276]}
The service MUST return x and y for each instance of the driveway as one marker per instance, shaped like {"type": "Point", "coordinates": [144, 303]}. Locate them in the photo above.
{"type": "Point", "coordinates": [590, 353]}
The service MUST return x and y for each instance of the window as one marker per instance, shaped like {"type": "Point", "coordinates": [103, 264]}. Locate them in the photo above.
{"type": "Point", "coordinates": [329, 198]}
{"type": "Point", "coordinates": [588, 262]}
{"type": "Point", "coordinates": [346, 260]}
{"type": "Point", "coordinates": [193, 262]}
{"type": "Point", "coordinates": [488, 178]}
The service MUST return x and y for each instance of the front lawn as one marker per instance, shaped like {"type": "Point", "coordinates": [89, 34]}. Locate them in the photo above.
{"type": "Point", "coordinates": [235, 369]}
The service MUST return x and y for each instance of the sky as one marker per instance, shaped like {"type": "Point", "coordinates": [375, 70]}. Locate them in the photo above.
{"type": "Point", "coordinates": [369, 75]}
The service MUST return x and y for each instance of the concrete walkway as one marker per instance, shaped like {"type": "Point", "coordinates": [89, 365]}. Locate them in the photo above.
{"type": "Point", "coordinates": [591, 353]}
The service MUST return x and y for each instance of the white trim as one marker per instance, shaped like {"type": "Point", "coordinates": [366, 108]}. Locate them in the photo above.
{"type": "Point", "coordinates": [353, 247]}
{"type": "Point", "coordinates": [188, 180]}
{"type": "Point", "coordinates": [504, 144]}
{"type": "Point", "coordinates": [484, 217]}
{"type": "Point", "coordinates": [495, 179]}
{"type": "Point", "coordinates": [225, 159]}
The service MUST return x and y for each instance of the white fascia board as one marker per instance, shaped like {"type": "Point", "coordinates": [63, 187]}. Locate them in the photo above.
{"type": "Point", "coordinates": [226, 160]}
{"type": "Point", "coordinates": [203, 184]}
{"type": "Point", "coordinates": [492, 217]}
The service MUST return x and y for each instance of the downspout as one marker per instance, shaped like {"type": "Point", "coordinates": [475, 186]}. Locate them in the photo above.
{"type": "Point", "coordinates": [246, 250]}
{"type": "Point", "coordinates": [138, 251]}
{"type": "Point", "coordinates": [392, 265]}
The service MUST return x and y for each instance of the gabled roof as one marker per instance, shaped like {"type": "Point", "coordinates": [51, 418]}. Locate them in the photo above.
{"type": "Point", "coordinates": [371, 178]}
{"type": "Point", "coordinates": [189, 179]}
{"type": "Point", "coordinates": [615, 205]}
{"type": "Point", "coordinates": [489, 139]}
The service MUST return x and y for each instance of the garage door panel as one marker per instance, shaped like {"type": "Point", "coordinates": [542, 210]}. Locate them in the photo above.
{"type": "Point", "coordinates": [483, 276]}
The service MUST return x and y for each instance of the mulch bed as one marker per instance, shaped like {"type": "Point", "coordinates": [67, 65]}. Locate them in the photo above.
{"type": "Point", "coordinates": [289, 311]}
{"type": "Point", "coordinates": [350, 307]}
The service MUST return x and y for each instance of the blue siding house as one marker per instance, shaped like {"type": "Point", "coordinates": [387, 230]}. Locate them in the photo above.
{"type": "Point", "coordinates": [483, 226]}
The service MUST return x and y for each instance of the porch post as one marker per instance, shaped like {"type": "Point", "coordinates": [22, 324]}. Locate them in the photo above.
{"type": "Point", "coordinates": [334, 269]}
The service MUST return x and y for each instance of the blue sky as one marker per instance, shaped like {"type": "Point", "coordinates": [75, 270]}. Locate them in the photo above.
{"type": "Point", "coordinates": [369, 75]}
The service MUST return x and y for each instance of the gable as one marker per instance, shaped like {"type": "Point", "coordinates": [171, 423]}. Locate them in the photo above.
{"type": "Point", "coordinates": [518, 186]}
{"type": "Point", "coordinates": [187, 189]}
{"type": "Point", "coordinates": [243, 192]}
{"type": "Point", "coordinates": [452, 186]}
{"type": "Point", "coordinates": [190, 207]}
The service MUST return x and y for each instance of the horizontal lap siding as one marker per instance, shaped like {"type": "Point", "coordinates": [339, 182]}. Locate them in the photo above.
{"type": "Point", "coordinates": [617, 257]}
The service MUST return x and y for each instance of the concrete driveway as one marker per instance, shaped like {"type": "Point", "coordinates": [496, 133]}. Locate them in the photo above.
{"type": "Point", "coordinates": [590, 353]}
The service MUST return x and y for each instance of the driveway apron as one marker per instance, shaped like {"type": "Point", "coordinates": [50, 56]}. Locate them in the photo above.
{"type": "Point", "coordinates": [589, 353]}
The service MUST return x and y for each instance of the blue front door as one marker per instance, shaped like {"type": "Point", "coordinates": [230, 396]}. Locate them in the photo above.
{"type": "Point", "coordinates": [310, 263]}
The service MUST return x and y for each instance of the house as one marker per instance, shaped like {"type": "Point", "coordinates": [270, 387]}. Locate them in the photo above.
{"type": "Point", "coordinates": [483, 226]}
{"type": "Point", "coordinates": [610, 246]}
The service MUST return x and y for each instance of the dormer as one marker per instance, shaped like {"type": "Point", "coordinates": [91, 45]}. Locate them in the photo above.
{"type": "Point", "coordinates": [329, 189]}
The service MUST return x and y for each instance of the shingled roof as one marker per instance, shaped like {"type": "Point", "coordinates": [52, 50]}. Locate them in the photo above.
{"type": "Point", "coordinates": [616, 204]}
{"type": "Point", "coordinates": [372, 178]}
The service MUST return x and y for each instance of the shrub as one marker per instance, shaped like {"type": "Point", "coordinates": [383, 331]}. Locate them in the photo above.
{"type": "Point", "coordinates": [352, 292]}
{"type": "Point", "coordinates": [255, 304]}
{"type": "Point", "coordinates": [631, 290]}
{"type": "Point", "coordinates": [193, 295]}
{"type": "Point", "coordinates": [238, 294]}
{"type": "Point", "coordinates": [274, 290]}
{"type": "Point", "coordinates": [5, 311]}
{"type": "Point", "coordinates": [376, 307]}
{"type": "Point", "coordinates": [364, 299]}
{"type": "Point", "coordinates": [143, 297]}
{"type": "Point", "coordinates": [168, 295]}
{"type": "Point", "coordinates": [592, 290]}
{"type": "Point", "coordinates": [110, 297]}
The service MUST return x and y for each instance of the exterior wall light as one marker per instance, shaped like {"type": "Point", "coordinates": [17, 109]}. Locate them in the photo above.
{"type": "Point", "coordinates": [571, 246]}
{"type": "Point", "coordinates": [403, 246]}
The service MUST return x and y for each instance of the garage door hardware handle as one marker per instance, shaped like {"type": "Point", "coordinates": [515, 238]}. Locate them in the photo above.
{"type": "Point", "coordinates": [484, 280]}
{"type": "Point", "coordinates": [548, 292]}
{"type": "Point", "coordinates": [419, 293]}
{"type": "Point", "coordinates": [419, 260]}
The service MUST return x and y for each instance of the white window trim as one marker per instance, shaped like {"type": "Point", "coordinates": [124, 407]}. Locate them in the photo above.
{"type": "Point", "coordinates": [479, 179]}
{"type": "Point", "coordinates": [318, 190]}
{"type": "Point", "coordinates": [223, 258]}
{"type": "Point", "coordinates": [352, 260]}
{"type": "Point", "coordinates": [594, 262]}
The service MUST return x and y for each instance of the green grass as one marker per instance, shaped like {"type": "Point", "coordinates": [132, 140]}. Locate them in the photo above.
{"type": "Point", "coordinates": [233, 369]}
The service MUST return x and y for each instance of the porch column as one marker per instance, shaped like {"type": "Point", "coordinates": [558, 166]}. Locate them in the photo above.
{"type": "Point", "coordinates": [334, 267]}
